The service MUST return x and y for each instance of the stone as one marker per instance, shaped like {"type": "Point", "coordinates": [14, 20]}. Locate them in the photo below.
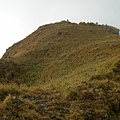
{"type": "Point", "coordinates": [17, 101]}
{"type": "Point", "coordinates": [4, 117]}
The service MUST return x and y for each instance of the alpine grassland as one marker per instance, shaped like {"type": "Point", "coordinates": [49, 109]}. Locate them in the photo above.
{"type": "Point", "coordinates": [62, 71]}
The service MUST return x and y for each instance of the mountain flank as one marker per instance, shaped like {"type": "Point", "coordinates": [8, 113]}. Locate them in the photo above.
{"type": "Point", "coordinates": [62, 71]}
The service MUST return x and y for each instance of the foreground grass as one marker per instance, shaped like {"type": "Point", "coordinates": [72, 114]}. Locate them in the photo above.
{"type": "Point", "coordinates": [86, 101]}
{"type": "Point", "coordinates": [66, 98]}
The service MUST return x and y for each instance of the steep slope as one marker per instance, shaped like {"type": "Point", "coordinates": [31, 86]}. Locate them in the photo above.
{"type": "Point", "coordinates": [63, 71]}
{"type": "Point", "coordinates": [57, 50]}
{"type": "Point", "coordinates": [58, 37]}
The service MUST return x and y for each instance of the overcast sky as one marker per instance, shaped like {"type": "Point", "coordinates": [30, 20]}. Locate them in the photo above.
{"type": "Point", "coordinates": [19, 18]}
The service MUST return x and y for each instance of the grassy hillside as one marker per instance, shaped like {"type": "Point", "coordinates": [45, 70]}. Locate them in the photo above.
{"type": "Point", "coordinates": [56, 50]}
{"type": "Point", "coordinates": [62, 71]}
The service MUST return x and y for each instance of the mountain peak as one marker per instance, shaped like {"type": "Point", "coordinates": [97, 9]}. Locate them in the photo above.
{"type": "Point", "coordinates": [59, 32]}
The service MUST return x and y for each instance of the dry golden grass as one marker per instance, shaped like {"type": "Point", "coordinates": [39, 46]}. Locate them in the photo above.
{"type": "Point", "coordinates": [62, 71]}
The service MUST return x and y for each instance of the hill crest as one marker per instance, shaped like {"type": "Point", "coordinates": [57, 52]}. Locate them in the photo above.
{"type": "Point", "coordinates": [56, 33]}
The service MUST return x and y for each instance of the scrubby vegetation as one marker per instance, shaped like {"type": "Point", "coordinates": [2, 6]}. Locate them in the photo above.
{"type": "Point", "coordinates": [62, 71]}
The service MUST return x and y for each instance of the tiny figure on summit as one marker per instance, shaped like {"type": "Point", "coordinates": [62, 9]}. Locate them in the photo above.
{"type": "Point", "coordinates": [106, 26]}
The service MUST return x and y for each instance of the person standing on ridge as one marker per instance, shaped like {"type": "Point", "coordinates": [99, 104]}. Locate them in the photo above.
{"type": "Point", "coordinates": [106, 26]}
